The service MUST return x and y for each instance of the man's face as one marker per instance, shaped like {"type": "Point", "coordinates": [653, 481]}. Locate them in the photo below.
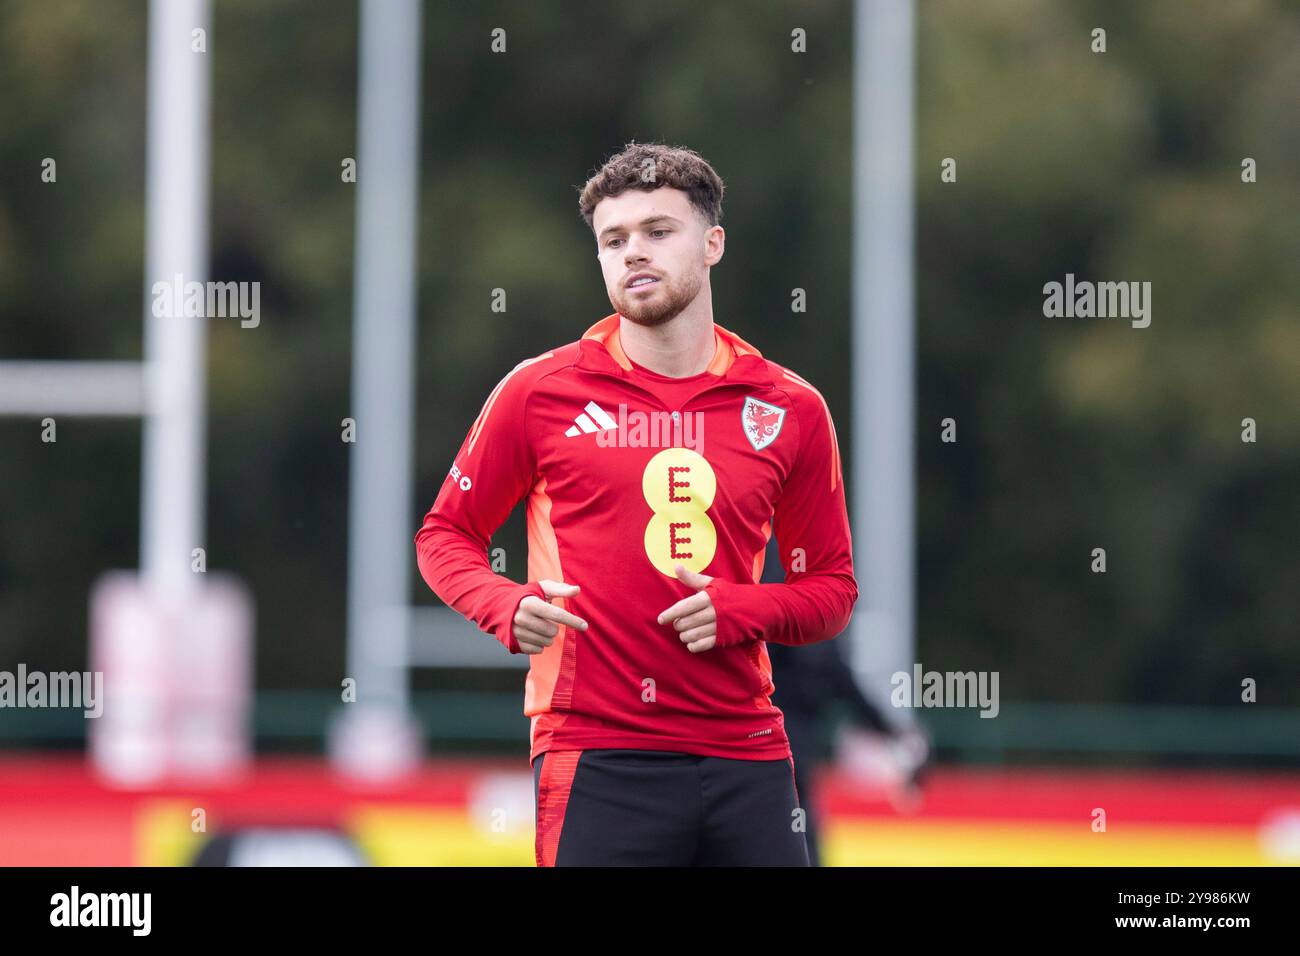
{"type": "Point", "coordinates": [659, 234]}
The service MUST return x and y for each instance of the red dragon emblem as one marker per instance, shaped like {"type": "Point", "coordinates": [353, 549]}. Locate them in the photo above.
{"type": "Point", "coordinates": [762, 422]}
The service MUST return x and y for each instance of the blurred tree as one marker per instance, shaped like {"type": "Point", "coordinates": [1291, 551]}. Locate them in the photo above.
{"type": "Point", "coordinates": [1072, 433]}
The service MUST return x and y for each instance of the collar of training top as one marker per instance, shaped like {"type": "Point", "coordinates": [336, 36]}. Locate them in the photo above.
{"type": "Point", "coordinates": [735, 360]}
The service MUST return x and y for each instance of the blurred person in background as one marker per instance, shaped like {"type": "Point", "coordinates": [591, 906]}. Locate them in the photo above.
{"type": "Point", "coordinates": [827, 715]}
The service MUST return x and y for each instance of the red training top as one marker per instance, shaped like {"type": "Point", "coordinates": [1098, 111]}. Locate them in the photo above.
{"type": "Point", "coordinates": [628, 473]}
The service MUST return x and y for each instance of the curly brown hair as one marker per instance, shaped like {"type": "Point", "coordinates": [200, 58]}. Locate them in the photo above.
{"type": "Point", "coordinates": [647, 166]}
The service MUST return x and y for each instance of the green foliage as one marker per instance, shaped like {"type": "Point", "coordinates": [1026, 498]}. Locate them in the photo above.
{"type": "Point", "coordinates": [1073, 433]}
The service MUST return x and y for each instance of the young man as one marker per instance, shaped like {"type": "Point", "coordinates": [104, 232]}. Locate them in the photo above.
{"type": "Point", "coordinates": [658, 453]}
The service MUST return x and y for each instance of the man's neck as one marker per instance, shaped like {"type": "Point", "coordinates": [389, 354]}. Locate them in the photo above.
{"type": "Point", "coordinates": [681, 347]}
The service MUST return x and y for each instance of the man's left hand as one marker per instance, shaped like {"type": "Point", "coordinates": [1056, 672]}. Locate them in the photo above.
{"type": "Point", "coordinates": [693, 617]}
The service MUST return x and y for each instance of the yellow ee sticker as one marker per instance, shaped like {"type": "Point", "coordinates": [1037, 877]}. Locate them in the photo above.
{"type": "Point", "coordinates": [679, 486]}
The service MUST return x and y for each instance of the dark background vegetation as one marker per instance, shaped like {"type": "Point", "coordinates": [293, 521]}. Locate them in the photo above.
{"type": "Point", "coordinates": [1073, 433]}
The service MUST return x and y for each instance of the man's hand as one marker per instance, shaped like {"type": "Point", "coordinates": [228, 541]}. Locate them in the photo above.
{"type": "Point", "coordinates": [537, 622]}
{"type": "Point", "coordinates": [694, 616]}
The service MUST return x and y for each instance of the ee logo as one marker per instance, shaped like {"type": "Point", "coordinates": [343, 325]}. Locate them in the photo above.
{"type": "Point", "coordinates": [679, 486]}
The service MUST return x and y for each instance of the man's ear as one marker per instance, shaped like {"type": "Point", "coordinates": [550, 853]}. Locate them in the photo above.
{"type": "Point", "coordinates": [720, 236]}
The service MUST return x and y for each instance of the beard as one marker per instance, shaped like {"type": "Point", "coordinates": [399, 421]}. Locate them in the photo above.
{"type": "Point", "coordinates": [666, 303]}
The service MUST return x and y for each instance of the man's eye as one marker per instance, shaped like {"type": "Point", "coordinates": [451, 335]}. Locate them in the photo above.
{"type": "Point", "coordinates": [611, 242]}
{"type": "Point", "coordinates": [665, 231]}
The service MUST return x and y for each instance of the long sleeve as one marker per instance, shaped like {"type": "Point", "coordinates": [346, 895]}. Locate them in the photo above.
{"type": "Point", "coordinates": [811, 524]}
{"type": "Point", "coordinates": [493, 470]}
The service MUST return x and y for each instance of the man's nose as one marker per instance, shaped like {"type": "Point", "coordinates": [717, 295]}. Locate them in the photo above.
{"type": "Point", "coordinates": [633, 251]}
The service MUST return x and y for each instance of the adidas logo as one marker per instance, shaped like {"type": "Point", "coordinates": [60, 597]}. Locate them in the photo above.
{"type": "Point", "coordinates": [585, 425]}
{"type": "Point", "coordinates": [639, 429]}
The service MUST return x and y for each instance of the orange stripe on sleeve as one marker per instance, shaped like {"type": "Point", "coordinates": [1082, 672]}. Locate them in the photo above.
{"type": "Point", "coordinates": [492, 398]}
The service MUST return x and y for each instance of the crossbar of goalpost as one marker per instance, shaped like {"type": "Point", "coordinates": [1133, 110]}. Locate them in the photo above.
{"type": "Point", "coordinates": [439, 637]}
{"type": "Point", "coordinates": [41, 388]}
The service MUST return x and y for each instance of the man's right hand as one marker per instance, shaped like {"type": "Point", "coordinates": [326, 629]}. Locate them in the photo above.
{"type": "Point", "coordinates": [537, 622]}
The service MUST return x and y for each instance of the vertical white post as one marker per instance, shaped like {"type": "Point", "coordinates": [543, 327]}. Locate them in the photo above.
{"type": "Point", "coordinates": [177, 656]}
{"type": "Point", "coordinates": [176, 194]}
{"type": "Point", "coordinates": [883, 632]}
{"type": "Point", "coordinates": [379, 738]}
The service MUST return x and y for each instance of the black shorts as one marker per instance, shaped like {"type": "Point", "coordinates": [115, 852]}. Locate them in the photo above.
{"type": "Point", "coordinates": [653, 808]}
